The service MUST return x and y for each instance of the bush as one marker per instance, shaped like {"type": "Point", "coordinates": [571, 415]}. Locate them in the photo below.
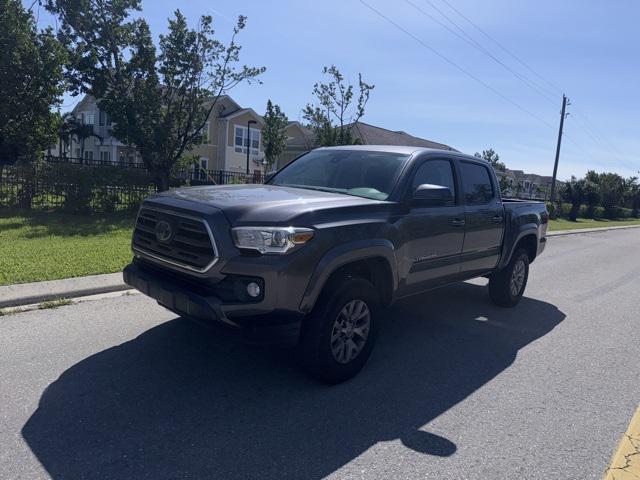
{"type": "Point", "coordinates": [106, 201]}
{"type": "Point", "coordinates": [551, 208]}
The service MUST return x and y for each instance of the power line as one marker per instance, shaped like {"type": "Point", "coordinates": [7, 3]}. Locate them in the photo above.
{"type": "Point", "coordinates": [505, 49]}
{"type": "Point", "coordinates": [478, 46]}
{"type": "Point", "coordinates": [454, 64]}
{"type": "Point", "coordinates": [586, 125]}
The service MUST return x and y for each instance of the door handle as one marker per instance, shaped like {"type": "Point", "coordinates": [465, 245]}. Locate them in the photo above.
{"type": "Point", "coordinates": [497, 219]}
{"type": "Point", "coordinates": [458, 222]}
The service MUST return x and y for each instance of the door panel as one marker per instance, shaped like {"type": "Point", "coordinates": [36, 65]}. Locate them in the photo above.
{"type": "Point", "coordinates": [433, 235]}
{"type": "Point", "coordinates": [484, 220]}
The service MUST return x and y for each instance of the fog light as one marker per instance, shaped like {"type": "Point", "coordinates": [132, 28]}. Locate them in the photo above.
{"type": "Point", "coordinates": [253, 289]}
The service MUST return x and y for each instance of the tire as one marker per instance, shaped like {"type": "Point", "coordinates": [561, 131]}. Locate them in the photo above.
{"type": "Point", "coordinates": [507, 286]}
{"type": "Point", "coordinates": [331, 325]}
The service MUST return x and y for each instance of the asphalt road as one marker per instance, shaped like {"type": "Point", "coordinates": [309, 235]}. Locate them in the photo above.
{"type": "Point", "coordinates": [456, 389]}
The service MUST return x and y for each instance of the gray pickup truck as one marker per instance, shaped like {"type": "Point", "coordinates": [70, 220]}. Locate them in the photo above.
{"type": "Point", "coordinates": [317, 252]}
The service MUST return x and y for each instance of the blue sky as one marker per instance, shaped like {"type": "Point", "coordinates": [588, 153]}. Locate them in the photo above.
{"type": "Point", "coordinates": [587, 49]}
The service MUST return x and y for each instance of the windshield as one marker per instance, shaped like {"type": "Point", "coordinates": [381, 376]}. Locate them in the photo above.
{"type": "Point", "coordinates": [354, 172]}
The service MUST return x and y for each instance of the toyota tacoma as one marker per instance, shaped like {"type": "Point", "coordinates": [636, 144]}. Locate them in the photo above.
{"type": "Point", "coordinates": [313, 255]}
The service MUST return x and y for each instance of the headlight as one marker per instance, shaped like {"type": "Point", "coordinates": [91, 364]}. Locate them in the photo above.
{"type": "Point", "coordinates": [270, 239]}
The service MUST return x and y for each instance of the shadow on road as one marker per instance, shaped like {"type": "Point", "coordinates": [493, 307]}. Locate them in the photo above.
{"type": "Point", "coordinates": [183, 401]}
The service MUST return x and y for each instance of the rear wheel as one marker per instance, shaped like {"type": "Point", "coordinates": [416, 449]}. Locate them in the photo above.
{"type": "Point", "coordinates": [506, 286]}
{"type": "Point", "coordinates": [339, 334]}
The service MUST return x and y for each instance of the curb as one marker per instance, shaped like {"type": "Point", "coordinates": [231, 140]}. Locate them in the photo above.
{"type": "Point", "coordinates": [37, 292]}
{"type": "Point", "coordinates": [625, 464]}
{"type": "Point", "coordinates": [558, 233]}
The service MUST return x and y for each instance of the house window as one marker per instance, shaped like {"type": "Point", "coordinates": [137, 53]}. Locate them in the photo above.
{"type": "Point", "coordinates": [121, 159]}
{"type": "Point", "coordinates": [240, 138]}
{"type": "Point", "coordinates": [205, 133]}
{"type": "Point", "coordinates": [103, 118]}
{"type": "Point", "coordinates": [77, 153]}
{"type": "Point", "coordinates": [88, 118]}
{"type": "Point", "coordinates": [105, 156]}
{"type": "Point", "coordinates": [255, 142]}
{"type": "Point", "coordinates": [88, 155]}
{"type": "Point", "coordinates": [241, 141]}
{"type": "Point", "coordinates": [200, 168]}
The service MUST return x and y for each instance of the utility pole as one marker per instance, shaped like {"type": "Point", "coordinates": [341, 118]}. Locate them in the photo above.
{"type": "Point", "coordinates": [555, 166]}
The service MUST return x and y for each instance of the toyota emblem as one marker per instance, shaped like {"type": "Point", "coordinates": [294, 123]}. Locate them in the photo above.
{"type": "Point", "coordinates": [163, 231]}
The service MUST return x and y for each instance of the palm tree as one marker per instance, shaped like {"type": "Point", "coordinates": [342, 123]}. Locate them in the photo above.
{"type": "Point", "coordinates": [82, 132]}
{"type": "Point", "coordinates": [574, 191]}
{"type": "Point", "coordinates": [68, 124]}
{"type": "Point", "coordinates": [71, 127]}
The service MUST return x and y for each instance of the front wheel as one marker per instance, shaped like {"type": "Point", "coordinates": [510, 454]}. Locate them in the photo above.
{"type": "Point", "coordinates": [339, 334]}
{"type": "Point", "coordinates": [506, 286]}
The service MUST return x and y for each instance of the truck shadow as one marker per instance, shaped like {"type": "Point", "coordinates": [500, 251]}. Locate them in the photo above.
{"type": "Point", "coordinates": [183, 401]}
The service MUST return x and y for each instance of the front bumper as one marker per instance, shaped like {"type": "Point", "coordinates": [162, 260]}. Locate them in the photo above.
{"type": "Point", "coordinates": [180, 298]}
{"type": "Point", "coordinates": [174, 297]}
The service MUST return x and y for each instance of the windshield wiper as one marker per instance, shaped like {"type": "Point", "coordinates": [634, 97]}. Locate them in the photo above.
{"type": "Point", "coordinates": [314, 187]}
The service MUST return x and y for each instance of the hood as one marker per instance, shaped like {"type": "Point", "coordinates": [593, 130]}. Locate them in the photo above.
{"type": "Point", "coordinates": [268, 204]}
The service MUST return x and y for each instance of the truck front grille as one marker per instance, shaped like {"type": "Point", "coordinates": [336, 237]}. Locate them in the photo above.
{"type": "Point", "coordinates": [175, 239]}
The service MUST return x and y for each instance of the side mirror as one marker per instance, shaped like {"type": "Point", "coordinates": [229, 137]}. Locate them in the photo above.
{"type": "Point", "coordinates": [428, 194]}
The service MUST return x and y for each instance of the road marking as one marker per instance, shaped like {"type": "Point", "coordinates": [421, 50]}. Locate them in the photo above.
{"type": "Point", "coordinates": [625, 464]}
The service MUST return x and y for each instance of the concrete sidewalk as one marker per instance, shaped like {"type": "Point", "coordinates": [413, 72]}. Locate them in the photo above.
{"type": "Point", "coordinates": [30, 293]}
{"type": "Point", "coordinates": [589, 230]}
{"type": "Point", "coordinates": [37, 292]}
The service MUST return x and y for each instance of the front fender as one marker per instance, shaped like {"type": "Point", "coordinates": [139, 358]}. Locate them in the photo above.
{"type": "Point", "coordinates": [342, 255]}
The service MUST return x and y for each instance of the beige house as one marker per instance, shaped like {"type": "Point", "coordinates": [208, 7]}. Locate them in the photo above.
{"type": "Point", "coordinates": [224, 147]}
{"type": "Point", "coordinates": [228, 133]}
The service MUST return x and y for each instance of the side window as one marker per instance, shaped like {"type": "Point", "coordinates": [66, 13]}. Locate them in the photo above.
{"type": "Point", "coordinates": [435, 172]}
{"type": "Point", "coordinates": [476, 183]}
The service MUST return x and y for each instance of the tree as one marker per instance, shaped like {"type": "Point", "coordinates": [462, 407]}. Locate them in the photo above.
{"type": "Point", "coordinates": [573, 192]}
{"type": "Point", "coordinates": [274, 137]}
{"type": "Point", "coordinates": [333, 116]}
{"type": "Point", "coordinates": [612, 190]}
{"type": "Point", "coordinates": [159, 101]}
{"type": "Point", "coordinates": [31, 83]}
{"type": "Point", "coordinates": [66, 125]}
{"type": "Point", "coordinates": [633, 195]}
{"type": "Point", "coordinates": [493, 158]}
{"type": "Point", "coordinates": [505, 185]}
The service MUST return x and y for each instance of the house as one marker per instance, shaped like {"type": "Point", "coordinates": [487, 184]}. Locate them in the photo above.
{"type": "Point", "coordinates": [226, 139]}
{"type": "Point", "coordinates": [525, 185]}
{"type": "Point", "coordinates": [224, 146]}
{"type": "Point", "coordinates": [371, 135]}
{"type": "Point", "coordinates": [102, 146]}
{"type": "Point", "coordinates": [301, 139]}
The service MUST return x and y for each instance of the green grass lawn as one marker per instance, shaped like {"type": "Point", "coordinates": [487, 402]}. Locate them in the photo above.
{"type": "Point", "coordinates": [562, 224]}
{"type": "Point", "coordinates": [49, 246]}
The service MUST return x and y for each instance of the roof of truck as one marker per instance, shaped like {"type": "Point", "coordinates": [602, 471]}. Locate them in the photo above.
{"type": "Point", "coordinates": [402, 149]}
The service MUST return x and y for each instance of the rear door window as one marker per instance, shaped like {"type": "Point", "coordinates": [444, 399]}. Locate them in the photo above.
{"type": "Point", "coordinates": [476, 183]}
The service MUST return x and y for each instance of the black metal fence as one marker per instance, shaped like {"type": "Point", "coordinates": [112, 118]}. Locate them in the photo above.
{"type": "Point", "coordinates": [73, 186]}
{"type": "Point", "coordinates": [78, 184]}
{"type": "Point", "coordinates": [219, 177]}
{"type": "Point", "coordinates": [86, 162]}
